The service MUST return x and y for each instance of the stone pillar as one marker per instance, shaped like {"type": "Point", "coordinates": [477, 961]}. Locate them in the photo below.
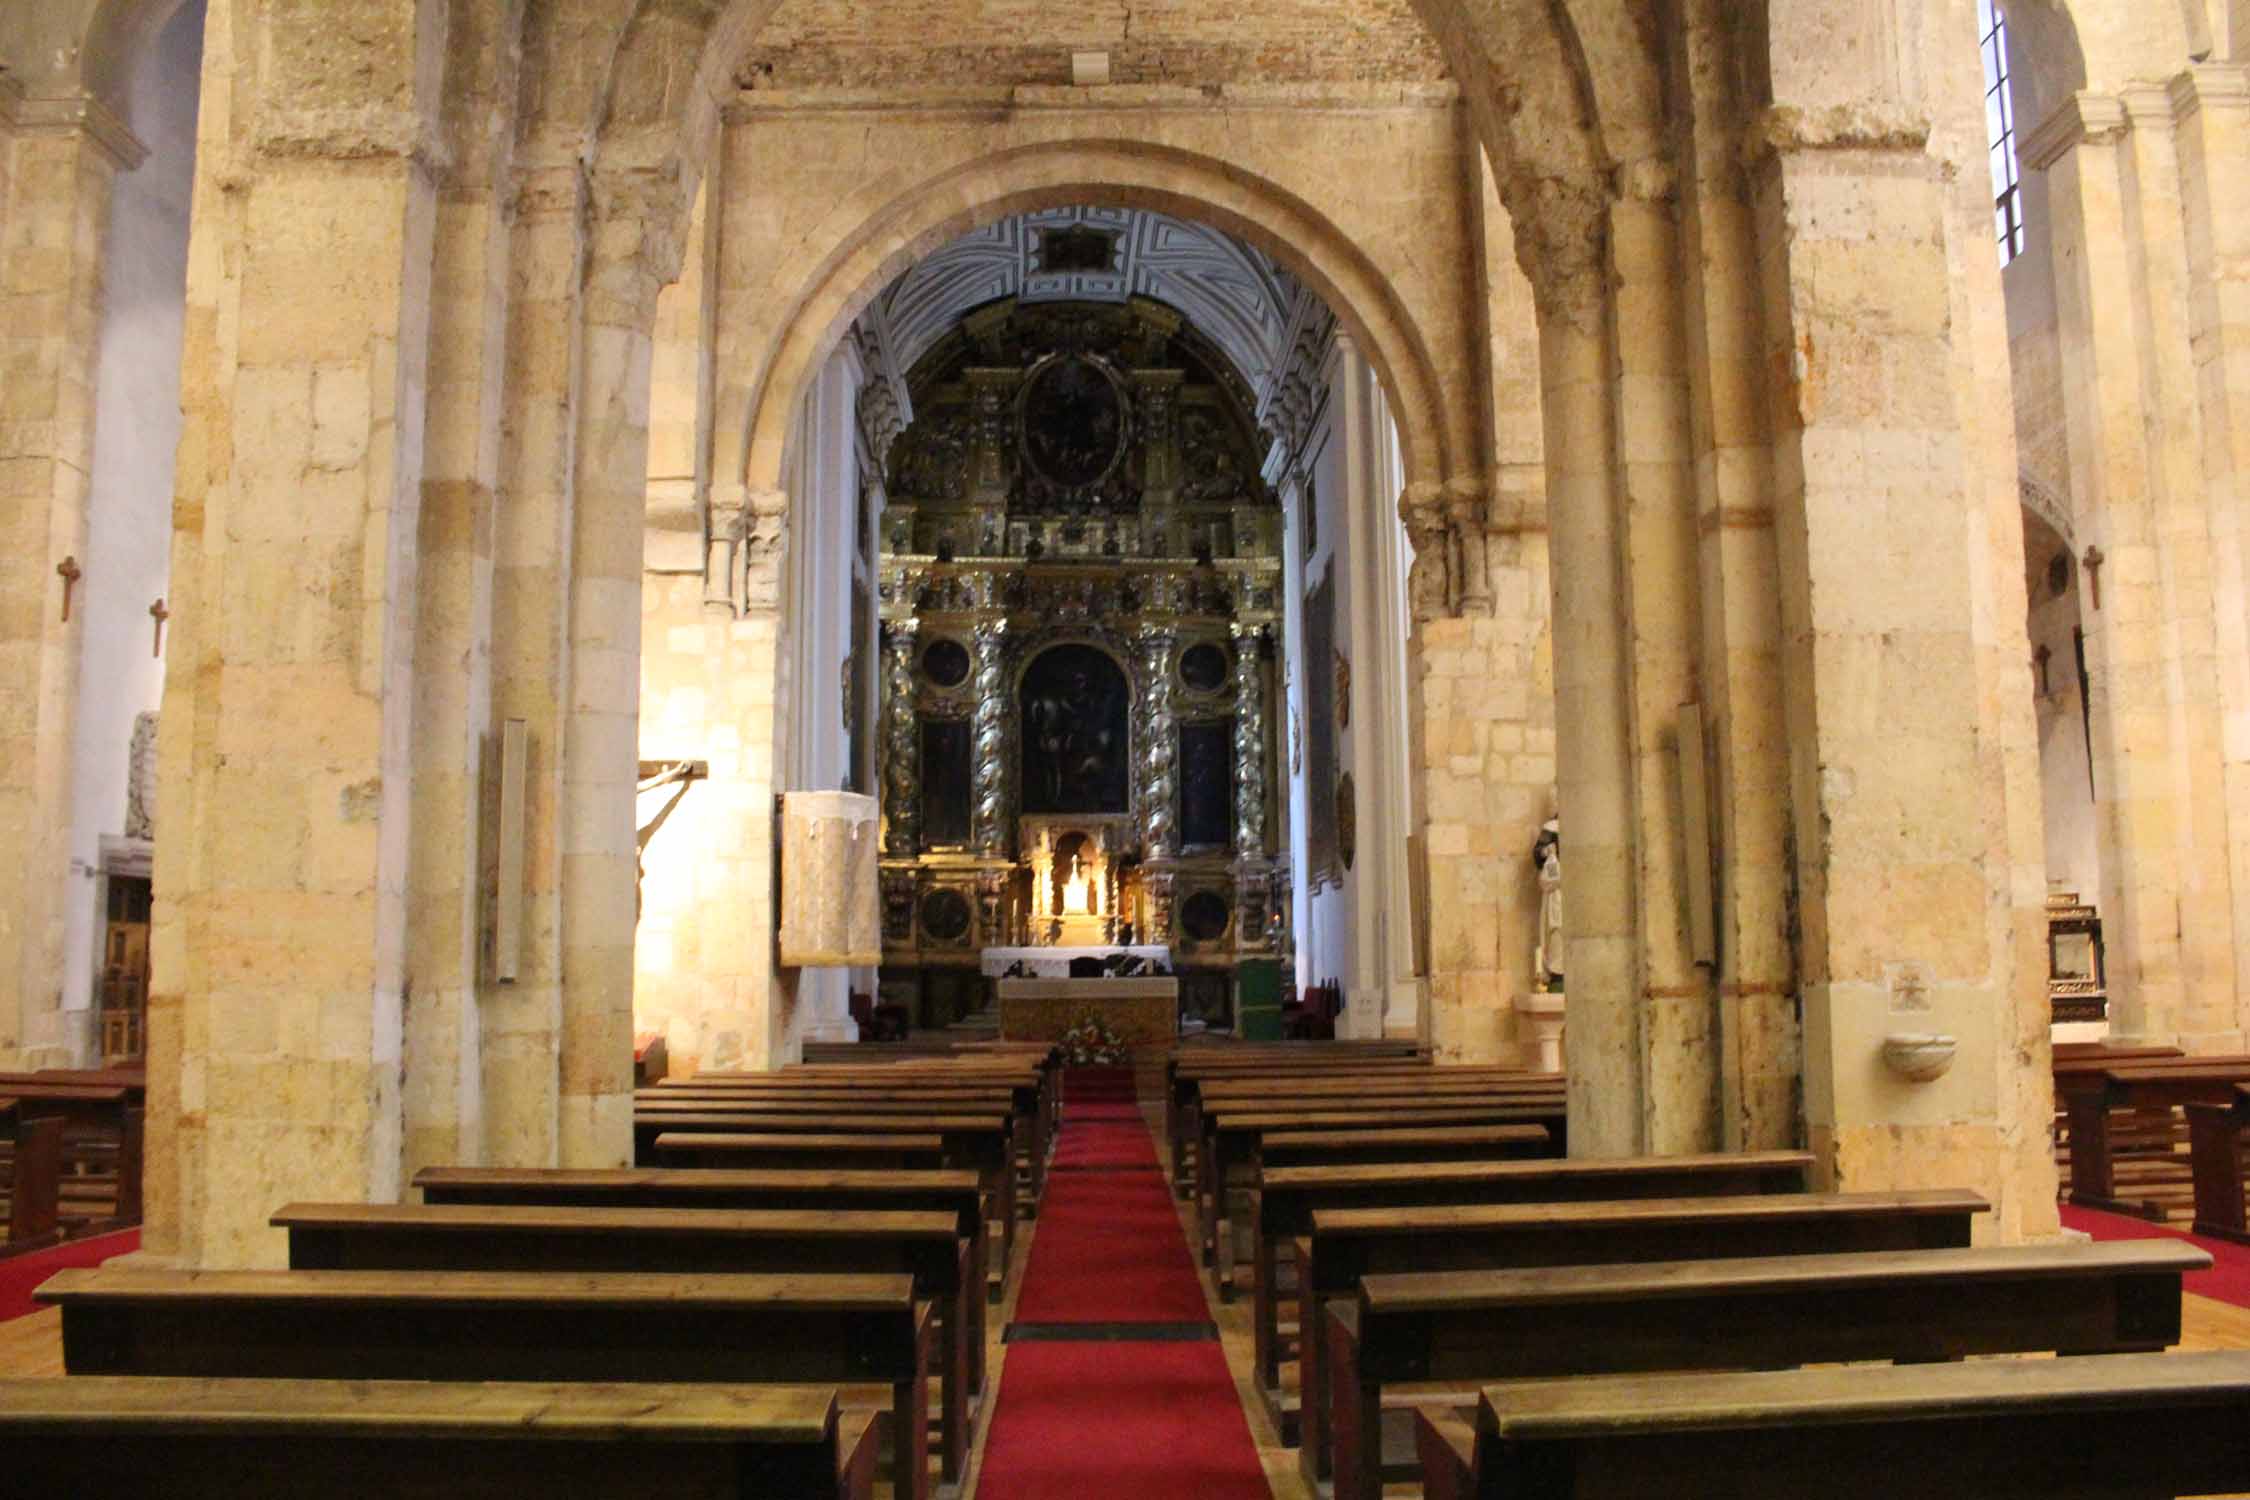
{"type": "Point", "coordinates": [902, 753]}
{"type": "Point", "coordinates": [989, 743]}
{"type": "Point", "coordinates": [286, 747]}
{"type": "Point", "coordinates": [54, 218]}
{"type": "Point", "coordinates": [2212, 104]}
{"type": "Point", "coordinates": [1913, 817]}
{"type": "Point", "coordinates": [2130, 399]}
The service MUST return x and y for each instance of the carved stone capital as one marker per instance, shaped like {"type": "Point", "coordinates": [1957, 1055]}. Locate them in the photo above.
{"type": "Point", "coordinates": [764, 545]}
{"type": "Point", "coordinates": [637, 244]}
{"type": "Point", "coordinates": [1562, 243]}
{"type": "Point", "coordinates": [1429, 584]}
{"type": "Point", "coordinates": [1466, 513]}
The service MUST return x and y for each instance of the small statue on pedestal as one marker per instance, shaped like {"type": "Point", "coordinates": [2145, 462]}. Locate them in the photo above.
{"type": "Point", "coordinates": [1547, 957]}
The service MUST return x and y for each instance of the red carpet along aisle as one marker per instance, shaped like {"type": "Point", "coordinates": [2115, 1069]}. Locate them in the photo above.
{"type": "Point", "coordinates": [1114, 1382]}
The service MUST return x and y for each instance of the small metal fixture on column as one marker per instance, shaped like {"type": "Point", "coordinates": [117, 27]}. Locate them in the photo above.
{"type": "Point", "coordinates": [159, 614]}
{"type": "Point", "coordinates": [70, 572]}
{"type": "Point", "coordinates": [2093, 561]}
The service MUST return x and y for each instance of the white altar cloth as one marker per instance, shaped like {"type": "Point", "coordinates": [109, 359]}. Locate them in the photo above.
{"type": "Point", "coordinates": [1054, 963]}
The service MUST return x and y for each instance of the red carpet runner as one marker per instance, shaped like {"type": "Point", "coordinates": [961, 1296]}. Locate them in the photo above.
{"type": "Point", "coordinates": [1114, 1382]}
{"type": "Point", "coordinates": [21, 1275]}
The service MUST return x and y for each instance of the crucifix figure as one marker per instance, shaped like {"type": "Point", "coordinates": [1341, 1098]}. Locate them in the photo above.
{"type": "Point", "coordinates": [2040, 659]}
{"type": "Point", "coordinates": [159, 614]}
{"type": "Point", "coordinates": [2092, 562]}
{"type": "Point", "coordinates": [71, 573]}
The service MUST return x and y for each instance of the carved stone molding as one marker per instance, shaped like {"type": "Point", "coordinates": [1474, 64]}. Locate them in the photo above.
{"type": "Point", "coordinates": [73, 114]}
{"type": "Point", "coordinates": [2082, 119]}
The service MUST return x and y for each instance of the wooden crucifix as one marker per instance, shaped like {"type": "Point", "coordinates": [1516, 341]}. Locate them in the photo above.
{"type": "Point", "coordinates": [70, 572]}
{"type": "Point", "coordinates": [2092, 562]}
{"type": "Point", "coordinates": [159, 614]}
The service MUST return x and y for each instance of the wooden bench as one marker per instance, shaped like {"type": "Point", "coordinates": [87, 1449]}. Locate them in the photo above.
{"type": "Point", "coordinates": [98, 1185]}
{"type": "Point", "coordinates": [1185, 1077]}
{"type": "Point", "coordinates": [983, 1143]}
{"type": "Point", "coordinates": [1911, 1306]}
{"type": "Point", "coordinates": [130, 1438]}
{"type": "Point", "coordinates": [1015, 1135]}
{"type": "Point", "coordinates": [2123, 1427]}
{"type": "Point", "coordinates": [1345, 1246]}
{"type": "Point", "coordinates": [945, 1191]}
{"type": "Point", "coordinates": [1340, 1148]}
{"type": "Point", "coordinates": [34, 1176]}
{"type": "Point", "coordinates": [427, 1237]}
{"type": "Point", "coordinates": [1027, 1101]}
{"type": "Point", "coordinates": [2215, 1141]}
{"type": "Point", "coordinates": [1288, 1197]}
{"type": "Point", "coordinates": [2160, 1087]}
{"type": "Point", "coordinates": [1232, 1139]}
{"type": "Point", "coordinates": [868, 1335]}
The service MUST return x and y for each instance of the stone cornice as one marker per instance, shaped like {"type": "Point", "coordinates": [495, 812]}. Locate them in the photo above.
{"type": "Point", "coordinates": [2211, 86]}
{"type": "Point", "coordinates": [749, 104]}
{"type": "Point", "coordinates": [1783, 130]}
{"type": "Point", "coordinates": [2083, 117]}
{"type": "Point", "coordinates": [72, 114]}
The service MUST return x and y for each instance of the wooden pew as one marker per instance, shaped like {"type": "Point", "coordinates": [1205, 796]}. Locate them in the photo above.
{"type": "Point", "coordinates": [131, 1438]}
{"type": "Point", "coordinates": [983, 1142]}
{"type": "Point", "coordinates": [1036, 1082]}
{"type": "Point", "coordinates": [947, 1191]}
{"type": "Point", "coordinates": [99, 1187]}
{"type": "Point", "coordinates": [1232, 1138]}
{"type": "Point", "coordinates": [1911, 1306]}
{"type": "Point", "coordinates": [784, 1152]}
{"type": "Point", "coordinates": [868, 1335]}
{"type": "Point", "coordinates": [2158, 1087]}
{"type": "Point", "coordinates": [1346, 1246]}
{"type": "Point", "coordinates": [2215, 1139]}
{"type": "Point", "coordinates": [1024, 1138]}
{"type": "Point", "coordinates": [1288, 1197]}
{"type": "Point", "coordinates": [1027, 1094]}
{"type": "Point", "coordinates": [35, 1164]}
{"type": "Point", "coordinates": [2123, 1427]}
{"type": "Point", "coordinates": [426, 1237]}
{"type": "Point", "coordinates": [1185, 1076]}
{"type": "Point", "coordinates": [1341, 1148]}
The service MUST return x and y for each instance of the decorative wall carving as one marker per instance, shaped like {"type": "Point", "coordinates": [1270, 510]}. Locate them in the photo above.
{"type": "Point", "coordinates": [1159, 755]}
{"type": "Point", "coordinates": [902, 776]}
{"type": "Point", "coordinates": [1250, 744]}
{"type": "Point", "coordinates": [989, 829]}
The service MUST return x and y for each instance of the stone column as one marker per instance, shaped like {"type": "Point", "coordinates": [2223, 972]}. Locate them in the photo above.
{"type": "Point", "coordinates": [902, 754]}
{"type": "Point", "coordinates": [286, 747]}
{"type": "Point", "coordinates": [2212, 104]}
{"type": "Point", "coordinates": [989, 742]}
{"type": "Point", "coordinates": [1913, 818]}
{"type": "Point", "coordinates": [2130, 401]}
{"type": "Point", "coordinates": [1249, 743]}
{"type": "Point", "coordinates": [54, 219]}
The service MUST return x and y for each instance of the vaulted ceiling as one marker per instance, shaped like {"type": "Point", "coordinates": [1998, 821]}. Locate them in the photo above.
{"type": "Point", "coordinates": [1237, 297]}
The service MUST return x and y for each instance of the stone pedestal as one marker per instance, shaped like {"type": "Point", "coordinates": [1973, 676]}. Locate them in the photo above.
{"type": "Point", "coordinates": [830, 915]}
{"type": "Point", "coordinates": [1543, 1020]}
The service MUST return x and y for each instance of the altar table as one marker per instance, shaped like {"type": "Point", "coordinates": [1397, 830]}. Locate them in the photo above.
{"type": "Point", "coordinates": [1054, 963]}
{"type": "Point", "coordinates": [1144, 1013]}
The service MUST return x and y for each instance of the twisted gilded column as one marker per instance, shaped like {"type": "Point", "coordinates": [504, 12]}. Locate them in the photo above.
{"type": "Point", "coordinates": [902, 769]}
{"type": "Point", "coordinates": [989, 759]}
{"type": "Point", "coordinates": [1249, 744]}
{"type": "Point", "coordinates": [1160, 748]}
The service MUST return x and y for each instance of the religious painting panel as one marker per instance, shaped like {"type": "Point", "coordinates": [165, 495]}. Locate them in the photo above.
{"type": "Point", "coordinates": [1324, 862]}
{"type": "Point", "coordinates": [1076, 707]}
{"type": "Point", "coordinates": [946, 779]}
{"type": "Point", "coordinates": [1207, 783]}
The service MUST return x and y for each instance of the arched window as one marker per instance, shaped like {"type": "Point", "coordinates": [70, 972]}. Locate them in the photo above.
{"type": "Point", "coordinates": [2000, 132]}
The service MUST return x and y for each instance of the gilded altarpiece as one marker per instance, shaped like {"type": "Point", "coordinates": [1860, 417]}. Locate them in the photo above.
{"type": "Point", "coordinates": [1080, 590]}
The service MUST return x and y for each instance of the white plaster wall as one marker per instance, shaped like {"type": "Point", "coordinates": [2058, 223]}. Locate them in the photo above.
{"type": "Point", "coordinates": [136, 434]}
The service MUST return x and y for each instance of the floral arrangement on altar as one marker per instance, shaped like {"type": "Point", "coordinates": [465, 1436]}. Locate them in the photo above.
{"type": "Point", "coordinates": [1091, 1044]}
